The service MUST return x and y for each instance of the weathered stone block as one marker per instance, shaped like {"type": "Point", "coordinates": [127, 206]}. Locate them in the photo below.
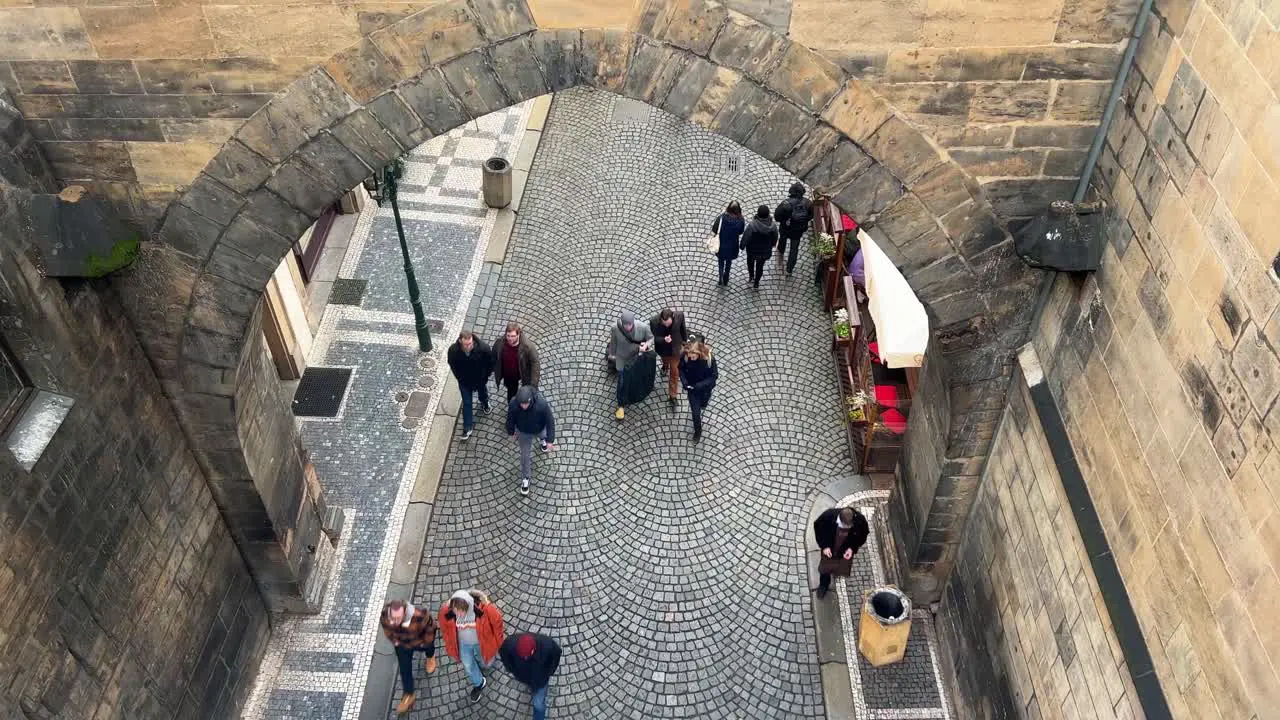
{"type": "Point", "coordinates": [210, 348]}
{"type": "Point", "coordinates": [1067, 62]}
{"type": "Point", "coordinates": [1025, 198]}
{"type": "Point", "coordinates": [1005, 102]}
{"type": "Point", "coordinates": [53, 33]}
{"type": "Point", "coordinates": [1064, 163]}
{"type": "Point", "coordinates": [869, 193]}
{"type": "Point", "coordinates": [806, 78]}
{"type": "Point", "coordinates": [714, 96]}
{"type": "Point", "coordinates": [521, 77]}
{"type": "Point", "coordinates": [189, 232]}
{"type": "Point", "coordinates": [837, 168]}
{"type": "Point", "coordinates": [990, 23]}
{"type": "Point", "coordinates": [923, 251]}
{"type": "Point", "coordinates": [779, 131]}
{"type": "Point", "coordinates": [433, 36]}
{"type": "Point", "coordinates": [858, 111]}
{"type": "Point", "coordinates": [43, 76]}
{"type": "Point", "coordinates": [222, 75]}
{"type": "Point", "coordinates": [239, 168]}
{"type": "Point", "coordinates": [906, 220]}
{"type": "Point", "coordinates": [1257, 367]}
{"type": "Point", "coordinates": [361, 133]}
{"type": "Point", "coordinates": [903, 149]}
{"type": "Point", "coordinates": [690, 24]}
{"type": "Point", "coordinates": [1166, 141]}
{"type": "Point", "coordinates": [431, 99]}
{"type": "Point", "coordinates": [749, 46]}
{"type": "Point", "coordinates": [973, 229]}
{"type": "Point", "coordinates": [1000, 162]}
{"type": "Point", "coordinates": [575, 14]}
{"type": "Point", "coordinates": [475, 84]}
{"type": "Point", "coordinates": [1210, 134]}
{"type": "Point", "coordinates": [502, 19]}
{"type": "Point", "coordinates": [310, 105]}
{"type": "Point", "coordinates": [1095, 21]}
{"type": "Point", "coordinates": [742, 111]}
{"type": "Point", "coordinates": [605, 55]}
{"type": "Point", "coordinates": [1184, 97]}
{"type": "Point", "coordinates": [653, 71]}
{"type": "Point", "coordinates": [105, 76]}
{"type": "Point", "coordinates": [124, 106]}
{"type": "Point", "coordinates": [95, 129]}
{"type": "Point", "coordinates": [684, 96]}
{"type": "Point", "coordinates": [1150, 181]}
{"type": "Point", "coordinates": [230, 264]}
{"type": "Point", "coordinates": [242, 31]}
{"type": "Point", "coordinates": [393, 114]}
{"type": "Point", "coordinates": [1060, 135]}
{"type": "Point", "coordinates": [330, 158]}
{"type": "Point", "coordinates": [1079, 101]}
{"type": "Point", "coordinates": [362, 71]}
{"type": "Point", "coordinates": [270, 211]}
{"type": "Point", "coordinates": [165, 31]}
{"type": "Point", "coordinates": [169, 163]}
{"type": "Point", "coordinates": [931, 105]}
{"type": "Point", "coordinates": [222, 307]}
{"type": "Point", "coordinates": [943, 189]}
{"type": "Point", "coordinates": [974, 136]}
{"type": "Point", "coordinates": [90, 160]}
{"type": "Point", "coordinates": [559, 52]}
{"type": "Point", "coordinates": [212, 199]}
{"type": "Point", "coordinates": [926, 64]}
{"type": "Point", "coordinates": [944, 277]}
{"type": "Point", "coordinates": [810, 150]}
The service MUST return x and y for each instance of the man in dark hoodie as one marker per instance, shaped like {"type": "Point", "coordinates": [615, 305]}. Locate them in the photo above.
{"type": "Point", "coordinates": [532, 659]}
{"type": "Point", "coordinates": [793, 216]}
{"type": "Point", "coordinates": [471, 362]}
{"type": "Point", "coordinates": [758, 240]}
{"type": "Point", "coordinates": [528, 417]}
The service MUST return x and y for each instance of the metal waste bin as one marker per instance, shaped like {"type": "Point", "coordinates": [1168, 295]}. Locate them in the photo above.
{"type": "Point", "coordinates": [884, 625]}
{"type": "Point", "coordinates": [496, 182]}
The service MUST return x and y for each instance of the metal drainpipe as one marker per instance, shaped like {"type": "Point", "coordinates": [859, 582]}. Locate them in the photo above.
{"type": "Point", "coordinates": [1099, 139]}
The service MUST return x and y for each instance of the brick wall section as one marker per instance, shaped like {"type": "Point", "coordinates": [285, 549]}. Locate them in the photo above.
{"type": "Point", "coordinates": [1023, 594]}
{"type": "Point", "coordinates": [122, 594]}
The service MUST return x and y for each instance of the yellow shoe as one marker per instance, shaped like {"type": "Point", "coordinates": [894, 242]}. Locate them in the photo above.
{"type": "Point", "coordinates": [620, 414]}
{"type": "Point", "coordinates": [406, 703]}
{"type": "Point", "coordinates": [431, 664]}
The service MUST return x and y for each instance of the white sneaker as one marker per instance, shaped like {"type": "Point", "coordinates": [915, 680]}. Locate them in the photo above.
{"type": "Point", "coordinates": [467, 435]}
{"type": "Point", "coordinates": [524, 486]}
{"type": "Point", "coordinates": [542, 444]}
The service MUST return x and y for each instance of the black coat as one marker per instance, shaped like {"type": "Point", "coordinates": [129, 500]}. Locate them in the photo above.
{"type": "Point", "coordinates": [729, 228]}
{"type": "Point", "coordinates": [794, 215]}
{"type": "Point", "coordinates": [636, 379]}
{"type": "Point", "coordinates": [824, 531]}
{"type": "Point", "coordinates": [678, 332]}
{"type": "Point", "coordinates": [533, 420]}
{"type": "Point", "coordinates": [474, 368]}
{"type": "Point", "coordinates": [535, 672]}
{"type": "Point", "coordinates": [699, 377]}
{"type": "Point", "coordinates": [760, 237]}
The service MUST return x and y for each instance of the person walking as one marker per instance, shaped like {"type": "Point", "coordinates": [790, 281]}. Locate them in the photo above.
{"type": "Point", "coordinates": [698, 369]}
{"type": "Point", "coordinates": [471, 362]}
{"type": "Point", "coordinates": [532, 659]}
{"type": "Point", "coordinates": [473, 631]}
{"type": "Point", "coordinates": [529, 416]}
{"type": "Point", "coordinates": [793, 215]}
{"type": "Point", "coordinates": [669, 335]}
{"type": "Point", "coordinates": [515, 360]}
{"type": "Point", "coordinates": [729, 227]}
{"type": "Point", "coordinates": [627, 341]}
{"type": "Point", "coordinates": [410, 630]}
{"type": "Point", "coordinates": [758, 240]}
{"type": "Point", "coordinates": [840, 533]}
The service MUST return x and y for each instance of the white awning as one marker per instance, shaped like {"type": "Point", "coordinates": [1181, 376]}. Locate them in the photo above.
{"type": "Point", "coordinates": [902, 326]}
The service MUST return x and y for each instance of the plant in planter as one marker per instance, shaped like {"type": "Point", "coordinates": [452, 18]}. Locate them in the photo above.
{"type": "Point", "coordinates": [855, 406]}
{"type": "Point", "coordinates": [840, 323]}
{"type": "Point", "coordinates": [822, 245]}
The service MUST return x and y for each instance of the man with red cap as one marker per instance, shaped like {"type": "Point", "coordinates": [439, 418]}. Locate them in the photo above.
{"type": "Point", "coordinates": [532, 659]}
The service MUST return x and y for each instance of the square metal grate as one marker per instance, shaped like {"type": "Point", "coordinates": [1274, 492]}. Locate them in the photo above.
{"type": "Point", "coordinates": [320, 392]}
{"type": "Point", "coordinates": [348, 292]}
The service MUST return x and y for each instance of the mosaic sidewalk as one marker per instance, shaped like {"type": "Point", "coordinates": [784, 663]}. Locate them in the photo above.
{"type": "Point", "coordinates": [368, 457]}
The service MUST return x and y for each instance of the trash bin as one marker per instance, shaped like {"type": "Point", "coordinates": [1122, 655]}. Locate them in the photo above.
{"type": "Point", "coordinates": [496, 182]}
{"type": "Point", "coordinates": [884, 625]}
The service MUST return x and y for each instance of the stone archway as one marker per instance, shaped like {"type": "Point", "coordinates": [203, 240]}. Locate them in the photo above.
{"type": "Point", "coordinates": [445, 65]}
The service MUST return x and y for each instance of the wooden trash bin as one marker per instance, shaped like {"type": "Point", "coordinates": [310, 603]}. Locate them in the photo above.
{"type": "Point", "coordinates": [884, 625]}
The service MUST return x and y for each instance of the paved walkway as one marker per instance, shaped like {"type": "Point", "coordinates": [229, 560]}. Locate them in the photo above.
{"type": "Point", "coordinates": [673, 574]}
{"type": "Point", "coordinates": [368, 457]}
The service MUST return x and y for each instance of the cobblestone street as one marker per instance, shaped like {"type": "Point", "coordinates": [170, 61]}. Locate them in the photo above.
{"type": "Point", "coordinates": [673, 574]}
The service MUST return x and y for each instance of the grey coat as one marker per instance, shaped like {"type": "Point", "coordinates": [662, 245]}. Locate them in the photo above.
{"type": "Point", "coordinates": [624, 348]}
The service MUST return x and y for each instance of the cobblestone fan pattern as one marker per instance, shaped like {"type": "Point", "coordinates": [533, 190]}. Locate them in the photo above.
{"type": "Point", "coordinates": [369, 455]}
{"type": "Point", "coordinates": [673, 574]}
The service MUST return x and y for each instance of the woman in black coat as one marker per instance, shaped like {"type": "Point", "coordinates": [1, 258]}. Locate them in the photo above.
{"type": "Point", "coordinates": [729, 227]}
{"type": "Point", "coordinates": [759, 239]}
{"type": "Point", "coordinates": [840, 533]}
{"type": "Point", "coordinates": [699, 374]}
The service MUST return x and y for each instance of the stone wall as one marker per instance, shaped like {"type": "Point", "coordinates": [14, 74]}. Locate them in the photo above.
{"type": "Point", "coordinates": [122, 594]}
{"type": "Point", "coordinates": [1164, 367]}
{"type": "Point", "coordinates": [136, 98]}
{"type": "Point", "coordinates": [1023, 594]}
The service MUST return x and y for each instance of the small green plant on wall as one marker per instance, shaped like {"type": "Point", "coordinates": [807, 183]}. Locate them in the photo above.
{"type": "Point", "coordinates": [840, 323]}
{"type": "Point", "coordinates": [822, 245]}
{"type": "Point", "coordinates": [855, 405]}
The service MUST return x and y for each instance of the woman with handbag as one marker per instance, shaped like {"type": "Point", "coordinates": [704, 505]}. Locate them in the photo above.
{"type": "Point", "coordinates": [725, 232]}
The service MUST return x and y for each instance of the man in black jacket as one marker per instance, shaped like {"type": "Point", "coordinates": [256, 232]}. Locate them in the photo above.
{"type": "Point", "coordinates": [532, 659]}
{"type": "Point", "coordinates": [793, 216]}
{"type": "Point", "coordinates": [471, 362]}
{"type": "Point", "coordinates": [840, 533]}
{"type": "Point", "coordinates": [669, 336]}
{"type": "Point", "coordinates": [528, 417]}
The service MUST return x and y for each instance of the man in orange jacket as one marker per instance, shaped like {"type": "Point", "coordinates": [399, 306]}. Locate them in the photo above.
{"type": "Point", "coordinates": [473, 632]}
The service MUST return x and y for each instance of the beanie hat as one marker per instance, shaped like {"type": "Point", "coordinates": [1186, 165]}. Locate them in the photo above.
{"type": "Point", "coordinates": [525, 645]}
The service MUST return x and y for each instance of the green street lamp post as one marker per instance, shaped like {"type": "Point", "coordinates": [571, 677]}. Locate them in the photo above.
{"type": "Point", "coordinates": [386, 190]}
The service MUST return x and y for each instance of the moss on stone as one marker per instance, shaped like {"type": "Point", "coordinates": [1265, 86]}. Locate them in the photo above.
{"type": "Point", "coordinates": [122, 254]}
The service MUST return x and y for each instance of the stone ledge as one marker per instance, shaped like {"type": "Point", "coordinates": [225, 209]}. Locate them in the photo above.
{"type": "Point", "coordinates": [496, 251]}
{"type": "Point", "coordinates": [412, 536]}
{"type": "Point", "coordinates": [433, 459]}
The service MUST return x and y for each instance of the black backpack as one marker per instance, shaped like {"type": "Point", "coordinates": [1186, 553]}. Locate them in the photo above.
{"type": "Point", "coordinates": [801, 213]}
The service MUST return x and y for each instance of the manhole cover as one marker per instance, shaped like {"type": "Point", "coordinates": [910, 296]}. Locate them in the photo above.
{"type": "Point", "coordinates": [348, 292]}
{"type": "Point", "coordinates": [320, 391]}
